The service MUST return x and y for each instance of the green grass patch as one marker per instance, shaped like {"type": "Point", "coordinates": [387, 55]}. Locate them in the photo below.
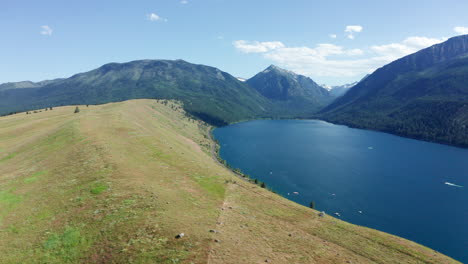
{"type": "Point", "coordinates": [158, 154]}
{"type": "Point", "coordinates": [279, 212]}
{"type": "Point", "coordinates": [66, 247]}
{"type": "Point", "coordinates": [30, 179]}
{"type": "Point", "coordinates": [8, 157]}
{"type": "Point", "coordinates": [13, 229]}
{"type": "Point", "coordinates": [56, 141]}
{"type": "Point", "coordinates": [34, 177]}
{"type": "Point", "coordinates": [129, 202]}
{"type": "Point", "coordinates": [8, 201]}
{"type": "Point", "coordinates": [212, 185]}
{"type": "Point", "coordinates": [43, 214]}
{"type": "Point", "coordinates": [98, 188]}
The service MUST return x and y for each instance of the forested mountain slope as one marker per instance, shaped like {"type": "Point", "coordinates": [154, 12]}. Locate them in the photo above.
{"type": "Point", "coordinates": [423, 95]}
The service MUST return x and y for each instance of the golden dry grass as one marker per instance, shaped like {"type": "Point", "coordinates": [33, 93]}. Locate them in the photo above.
{"type": "Point", "coordinates": [115, 183]}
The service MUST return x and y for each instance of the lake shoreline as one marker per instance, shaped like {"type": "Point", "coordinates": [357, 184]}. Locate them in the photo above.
{"type": "Point", "coordinates": [322, 197]}
{"type": "Point", "coordinates": [351, 126]}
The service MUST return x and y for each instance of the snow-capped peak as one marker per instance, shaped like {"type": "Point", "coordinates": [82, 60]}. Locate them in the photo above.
{"type": "Point", "coordinates": [327, 87]}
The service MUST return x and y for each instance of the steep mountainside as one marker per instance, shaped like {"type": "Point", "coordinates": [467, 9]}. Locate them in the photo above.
{"type": "Point", "coordinates": [116, 183]}
{"type": "Point", "coordinates": [207, 92]}
{"type": "Point", "coordinates": [295, 93]}
{"type": "Point", "coordinates": [423, 95]}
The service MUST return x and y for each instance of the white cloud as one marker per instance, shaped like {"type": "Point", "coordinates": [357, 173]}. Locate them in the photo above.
{"type": "Point", "coordinates": [410, 45]}
{"type": "Point", "coordinates": [184, 2]}
{"type": "Point", "coordinates": [46, 30]}
{"type": "Point", "coordinates": [351, 30]}
{"type": "Point", "coordinates": [355, 28]}
{"type": "Point", "coordinates": [256, 46]}
{"type": "Point", "coordinates": [461, 30]}
{"type": "Point", "coordinates": [422, 42]}
{"type": "Point", "coordinates": [333, 36]}
{"type": "Point", "coordinates": [355, 52]}
{"type": "Point", "coordinates": [317, 62]}
{"type": "Point", "coordinates": [332, 60]}
{"type": "Point", "coordinates": [154, 17]}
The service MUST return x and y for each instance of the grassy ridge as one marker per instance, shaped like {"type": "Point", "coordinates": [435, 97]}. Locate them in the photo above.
{"type": "Point", "coordinates": [115, 183]}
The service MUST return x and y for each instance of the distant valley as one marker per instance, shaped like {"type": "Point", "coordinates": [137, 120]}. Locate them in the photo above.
{"type": "Point", "coordinates": [339, 90]}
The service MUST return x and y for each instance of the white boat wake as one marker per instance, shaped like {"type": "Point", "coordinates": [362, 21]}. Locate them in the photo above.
{"type": "Point", "coordinates": [453, 184]}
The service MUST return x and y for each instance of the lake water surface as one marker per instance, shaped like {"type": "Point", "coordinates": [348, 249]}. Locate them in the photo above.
{"type": "Point", "coordinates": [393, 184]}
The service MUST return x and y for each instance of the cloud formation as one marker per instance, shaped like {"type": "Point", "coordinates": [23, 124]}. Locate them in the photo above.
{"type": "Point", "coordinates": [351, 30]}
{"type": "Point", "coordinates": [461, 30]}
{"type": "Point", "coordinates": [333, 36]}
{"type": "Point", "coordinates": [184, 2]}
{"type": "Point", "coordinates": [46, 30]}
{"type": "Point", "coordinates": [410, 45]}
{"type": "Point", "coordinates": [154, 17]}
{"type": "Point", "coordinates": [256, 46]}
{"type": "Point", "coordinates": [331, 60]}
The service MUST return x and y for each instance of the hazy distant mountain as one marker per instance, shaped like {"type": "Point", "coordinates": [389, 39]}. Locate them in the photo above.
{"type": "Point", "coordinates": [293, 91]}
{"type": "Point", "coordinates": [24, 84]}
{"type": "Point", "coordinates": [341, 89]}
{"type": "Point", "coordinates": [338, 90]}
{"type": "Point", "coordinates": [17, 85]}
{"type": "Point", "coordinates": [423, 95]}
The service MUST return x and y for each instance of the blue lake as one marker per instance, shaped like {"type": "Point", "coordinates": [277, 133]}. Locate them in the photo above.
{"type": "Point", "coordinates": [393, 184]}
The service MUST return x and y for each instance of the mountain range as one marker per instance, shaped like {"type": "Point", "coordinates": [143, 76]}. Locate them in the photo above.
{"type": "Point", "coordinates": [423, 95]}
{"type": "Point", "coordinates": [207, 93]}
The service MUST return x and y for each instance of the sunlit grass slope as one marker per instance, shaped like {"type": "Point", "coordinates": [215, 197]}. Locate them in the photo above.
{"type": "Point", "coordinates": [116, 183]}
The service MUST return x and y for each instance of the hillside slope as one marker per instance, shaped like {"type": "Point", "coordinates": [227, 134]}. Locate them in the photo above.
{"type": "Point", "coordinates": [116, 183]}
{"type": "Point", "coordinates": [423, 95]}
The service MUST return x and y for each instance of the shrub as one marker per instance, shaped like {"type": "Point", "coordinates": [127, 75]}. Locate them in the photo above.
{"type": "Point", "coordinates": [312, 205]}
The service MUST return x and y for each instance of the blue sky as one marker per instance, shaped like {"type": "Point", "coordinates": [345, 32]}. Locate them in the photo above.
{"type": "Point", "coordinates": [333, 42]}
